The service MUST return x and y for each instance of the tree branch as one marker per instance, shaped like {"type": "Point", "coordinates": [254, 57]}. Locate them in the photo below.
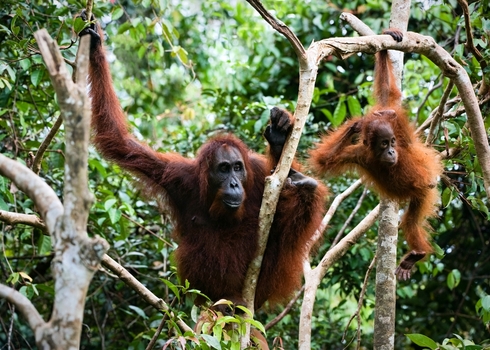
{"type": "Point", "coordinates": [46, 200]}
{"type": "Point", "coordinates": [77, 257]}
{"type": "Point", "coordinates": [107, 262]}
{"type": "Point", "coordinates": [335, 205]}
{"type": "Point", "coordinates": [25, 219]}
{"type": "Point", "coordinates": [313, 277]}
{"type": "Point", "coordinates": [470, 45]}
{"type": "Point", "coordinates": [139, 288]}
{"type": "Point", "coordinates": [38, 158]}
{"type": "Point", "coordinates": [274, 183]}
{"type": "Point", "coordinates": [24, 305]}
{"type": "Point", "coordinates": [280, 27]}
{"type": "Point", "coordinates": [439, 112]}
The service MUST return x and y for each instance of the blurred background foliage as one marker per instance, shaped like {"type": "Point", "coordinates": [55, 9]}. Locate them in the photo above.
{"type": "Point", "coordinates": [185, 70]}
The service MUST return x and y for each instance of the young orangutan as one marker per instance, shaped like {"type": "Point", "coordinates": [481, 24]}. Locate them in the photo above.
{"type": "Point", "coordinates": [385, 149]}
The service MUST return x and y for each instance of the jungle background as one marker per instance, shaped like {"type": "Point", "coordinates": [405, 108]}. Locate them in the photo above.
{"type": "Point", "coordinates": [185, 70]}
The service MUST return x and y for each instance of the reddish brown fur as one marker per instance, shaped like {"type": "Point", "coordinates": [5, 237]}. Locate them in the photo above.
{"type": "Point", "coordinates": [215, 246]}
{"type": "Point", "coordinates": [412, 179]}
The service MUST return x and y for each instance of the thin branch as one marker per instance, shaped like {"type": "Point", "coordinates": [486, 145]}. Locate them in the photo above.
{"type": "Point", "coordinates": [280, 27]}
{"type": "Point", "coordinates": [24, 305]}
{"type": "Point", "coordinates": [357, 314]}
{"type": "Point", "coordinates": [341, 248]}
{"type": "Point", "coordinates": [438, 114]}
{"type": "Point", "coordinates": [133, 283]}
{"type": "Point", "coordinates": [146, 230]}
{"type": "Point", "coordinates": [470, 45]}
{"type": "Point", "coordinates": [446, 115]}
{"type": "Point", "coordinates": [88, 8]}
{"type": "Point", "coordinates": [286, 310]}
{"type": "Point", "coordinates": [313, 277]}
{"type": "Point", "coordinates": [36, 163]}
{"type": "Point", "coordinates": [426, 97]}
{"type": "Point", "coordinates": [356, 24]}
{"type": "Point", "coordinates": [351, 216]}
{"type": "Point", "coordinates": [335, 205]}
{"type": "Point", "coordinates": [25, 219]}
{"type": "Point", "coordinates": [274, 183]}
{"type": "Point", "coordinates": [139, 288]}
{"type": "Point", "coordinates": [154, 339]}
{"type": "Point", "coordinates": [45, 198]}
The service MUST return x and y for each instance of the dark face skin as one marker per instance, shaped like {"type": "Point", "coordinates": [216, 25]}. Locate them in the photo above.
{"type": "Point", "coordinates": [384, 145]}
{"type": "Point", "coordinates": [226, 176]}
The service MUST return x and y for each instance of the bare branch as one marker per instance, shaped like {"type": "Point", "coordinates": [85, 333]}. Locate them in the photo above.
{"type": "Point", "coordinates": [88, 9]}
{"type": "Point", "coordinates": [313, 277]}
{"type": "Point", "coordinates": [470, 45]}
{"type": "Point", "coordinates": [285, 311]}
{"type": "Point", "coordinates": [274, 183]}
{"type": "Point", "coordinates": [427, 95]}
{"type": "Point", "coordinates": [134, 284]}
{"type": "Point", "coordinates": [335, 205]}
{"type": "Point", "coordinates": [36, 163]}
{"type": "Point", "coordinates": [25, 219]}
{"type": "Point", "coordinates": [438, 114]}
{"type": "Point", "coordinates": [139, 288]}
{"type": "Point", "coordinates": [77, 257]}
{"type": "Point", "coordinates": [349, 240]}
{"type": "Point", "coordinates": [357, 314]}
{"type": "Point", "coordinates": [43, 196]}
{"type": "Point", "coordinates": [351, 216]}
{"type": "Point", "coordinates": [24, 305]}
{"type": "Point", "coordinates": [356, 24]}
{"type": "Point", "coordinates": [280, 27]}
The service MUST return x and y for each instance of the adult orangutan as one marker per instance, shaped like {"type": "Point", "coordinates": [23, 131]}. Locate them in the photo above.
{"type": "Point", "coordinates": [215, 198]}
{"type": "Point", "coordinates": [385, 149]}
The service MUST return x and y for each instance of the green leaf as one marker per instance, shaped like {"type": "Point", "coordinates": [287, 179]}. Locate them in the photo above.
{"type": "Point", "coordinates": [340, 113]}
{"type": "Point", "coordinates": [79, 25]}
{"type": "Point", "coordinates": [212, 341]}
{"type": "Point", "coordinates": [117, 13]}
{"type": "Point", "coordinates": [244, 309]}
{"type": "Point", "coordinates": [27, 292]}
{"type": "Point", "coordinates": [168, 30]}
{"type": "Point", "coordinates": [485, 303]}
{"type": "Point", "coordinates": [172, 287]}
{"type": "Point", "coordinates": [95, 164]}
{"type": "Point", "coordinates": [256, 324]}
{"type": "Point", "coordinates": [13, 278]}
{"type": "Point", "coordinates": [227, 319]}
{"type": "Point", "coordinates": [3, 205]}
{"type": "Point", "coordinates": [217, 332]}
{"type": "Point", "coordinates": [181, 53]}
{"type": "Point", "coordinates": [355, 108]}
{"type": "Point", "coordinates": [36, 77]}
{"type": "Point", "coordinates": [422, 340]}
{"type": "Point", "coordinates": [124, 27]}
{"type": "Point", "coordinates": [453, 279]}
{"type": "Point", "coordinates": [44, 245]}
{"type": "Point", "coordinates": [114, 215]}
{"type": "Point", "coordinates": [139, 311]}
{"type": "Point", "coordinates": [109, 203]}
{"type": "Point", "coordinates": [447, 196]}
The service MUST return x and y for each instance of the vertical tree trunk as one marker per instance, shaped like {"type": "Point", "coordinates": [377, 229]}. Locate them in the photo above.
{"type": "Point", "coordinates": [385, 312]}
{"type": "Point", "coordinates": [384, 316]}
